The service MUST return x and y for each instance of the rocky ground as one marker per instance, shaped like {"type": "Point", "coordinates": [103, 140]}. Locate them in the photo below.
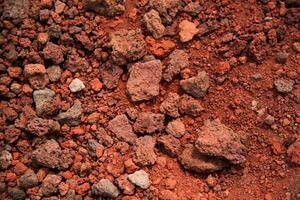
{"type": "Point", "coordinates": [150, 99]}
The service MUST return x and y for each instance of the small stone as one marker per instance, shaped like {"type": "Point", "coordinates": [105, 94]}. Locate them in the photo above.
{"type": "Point", "coordinates": [196, 86]}
{"type": "Point", "coordinates": [296, 47]}
{"type": "Point", "coordinates": [187, 30]}
{"type": "Point", "coordinates": [54, 73]}
{"type": "Point", "coordinates": [140, 178]}
{"type": "Point", "coordinates": [96, 85]}
{"type": "Point", "coordinates": [154, 24]}
{"type": "Point", "coordinates": [294, 153]}
{"type": "Point", "coordinates": [144, 151]}
{"type": "Point", "coordinates": [34, 69]}
{"type": "Point", "coordinates": [282, 57]}
{"type": "Point", "coordinates": [160, 48]}
{"type": "Point", "coordinates": [211, 181]}
{"type": "Point", "coordinates": [5, 160]}
{"type": "Point", "coordinates": [126, 186]}
{"type": "Point", "coordinates": [283, 85]}
{"type": "Point", "coordinates": [149, 123]}
{"type": "Point", "coordinates": [43, 38]}
{"type": "Point", "coordinates": [170, 105]}
{"type": "Point", "coordinates": [54, 53]}
{"type": "Point", "coordinates": [176, 128]}
{"type": "Point", "coordinates": [269, 120]}
{"type": "Point", "coordinates": [50, 185]}
{"type": "Point", "coordinates": [105, 188]}
{"type": "Point", "coordinates": [122, 129]}
{"type": "Point", "coordinates": [223, 67]}
{"type": "Point", "coordinates": [144, 78]}
{"type": "Point", "coordinates": [190, 106]}
{"type": "Point", "coordinates": [193, 8]}
{"type": "Point", "coordinates": [168, 195]}
{"type": "Point", "coordinates": [17, 194]}
{"type": "Point", "coordinates": [177, 61]}
{"type": "Point", "coordinates": [59, 7]}
{"type": "Point", "coordinates": [28, 180]}
{"type": "Point", "coordinates": [94, 148]}
{"type": "Point", "coordinates": [108, 8]}
{"type": "Point", "coordinates": [41, 97]}
{"type": "Point", "coordinates": [72, 115]}
{"type": "Point", "coordinates": [127, 46]}
{"type": "Point", "coordinates": [76, 85]}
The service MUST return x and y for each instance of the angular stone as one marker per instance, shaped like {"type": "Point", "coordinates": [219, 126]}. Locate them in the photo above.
{"type": "Point", "coordinates": [5, 160]}
{"type": "Point", "coordinates": [144, 78]}
{"type": "Point", "coordinates": [54, 53]}
{"type": "Point", "coordinates": [15, 10]}
{"type": "Point", "coordinates": [196, 86]}
{"type": "Point", "coordinates": [140, 178]}
{"type": "Point", "coordinates": [28, 180]}
{"type": "Point", "coordinates": [121, 127]}
{"type": "Point", "coordinates": [40, 127]}
{"type": "Point", "coordinates": [105, 188]}
{"type": "Point", "coordinates": [215, 139]}
{"type": "Point", "coordinates": [50, 185]}
{"type": "Point", "coordinates": [76, 85]}
{"type": "Point", "coordinates": [72, 115]}
{"type": "Point", "coordinates": [177, 61]}
{"type": "Point", "coordinates": [108, 8]}
{"type": "Point", "coordinates": [54, 73]}
{"type": "Point", "coordinates": [170, 105]}
{"type": "Point", "coordinates": [154, 24]}
{"type": "Point", "coordinates": [190, 106]}
{"type": "Point", "coordinates": [284, 86]}
{"type": "Point", "coordinates": [187, 30]}
{"type": "Point", "coordinates": [127, 46]}
{"type": "Point", "coordinates": [176, 128]}
{"type": "Point", "coordinates": [169, 145]}
{"type": "Point", "coordinates": [41, 97]}
{"type": "Point", "coordinates": [144, 151]}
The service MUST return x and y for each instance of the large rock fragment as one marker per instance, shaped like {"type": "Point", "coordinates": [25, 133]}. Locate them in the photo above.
{"type": "Point", "coordinates": [144, 151]}
{"type": "Point", "coordinates": [196, 86]}
{"type": "Point", "coordinates": [50, 185]}
{"type": "Point", "coordinates": [40, 127]}
{"type": "Point", "coordinates": [28, 180]}
{"type": "Point", "coordinates": [194, 161]}
{"type": "Point", "coordinates": [215, 139]}
{"type": "Point", "coordinates": [127, 46]}
{"type": "Point", "coordinates": [144, 78]}
{"type": "Point", "coordinates": [121, 127]}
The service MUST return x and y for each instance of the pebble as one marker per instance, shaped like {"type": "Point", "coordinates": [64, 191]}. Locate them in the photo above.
{"type": "Point", "coordinates": [296, 47]}
{"type": "Point", "coordinates": [40, 97]}
{"type": "Point", "coordinates": [76, 85]}
{"type": "Point", "coordinates": [28, 180]}
{"type": "Point", "coordinates": [176, 128]}
{"type": "Point", "coordinates": [269, 120]}
{"type": "Point", "coordinates": [17, 194]}
{"type": "Point", "coordinates": [187, 30]}
{"type": "Point", "coordinates": [140, 178]}
{"type": "Point", "coordinates": [105, 188]}
{"type": "Point", "coordinates": [54, 73]}
{"type": "Point", "coordinates": [5, 160]}
{"type": "Point", "coordinates": [283, 85]}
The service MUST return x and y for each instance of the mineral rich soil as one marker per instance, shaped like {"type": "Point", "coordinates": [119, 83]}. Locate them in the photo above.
{"type": "Point", "coordinates": [150, 99]}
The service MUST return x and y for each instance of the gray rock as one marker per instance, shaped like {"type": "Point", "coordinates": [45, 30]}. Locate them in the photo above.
{"type": "Point", "coordinates": [41, 97]}
{"type": "Point", "coordinates": [140, 178]}
{"type": "Point", "coordinates": [17, 194]}
{"type": "Point", "coordinates": [54, 73]}
{"type": "Point", "coordinates": [76, 85]}
{"type": "Point", "coordinates": [72, 115]}
{"type": "Point", "coordinates": [105, 188]}
{"type": "Point", "coordinates": [283, 85]}
{"type": "Point", "coordinates": [5, 160]}
{"type": "Point", "coordinates": [154, 24]}
{"type": "Point", "coordinates": [176, 128]}
{"type": "Point", "coordinates": [121, 127]}
{"type": "Point", "coordinates": [196, 86]}
{"type": "Point", "coordinates": [50, 185]}
{"type": "Point", "coordinates": [28, 180]}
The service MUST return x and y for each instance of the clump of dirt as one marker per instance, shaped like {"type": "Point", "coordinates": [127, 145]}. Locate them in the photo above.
{"type": "Point", "coordinates": [149, 99]}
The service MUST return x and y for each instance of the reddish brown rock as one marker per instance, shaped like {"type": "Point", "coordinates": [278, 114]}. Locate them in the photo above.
{"type": "Point", "coordinates": [194, 161]}
{"type": "Point", "coordinates": [168, 195]}
{"type": "Point", "coordinates": [148, 123]}
{"type": "Point", "coordinates": [85, 41]}
{"type": "Point", "coordinates": [108, 8]}
{"type": "Point", "coordinates": [187, 30]}
{"type": "Point", "coordinates": [169, 145]}
{"type": "Point", "coordinates": [215, 139]}
{"type": "Point", "coordinates": [170, 105]}
{"type": "Point", "coordinates": [160, 48]}
{"type": "Point", "coordinates": [122, 129]}
{"type": "Point", "coordinates": [190, 106]}
{"type": "Point", "coordinates": [34, 69]}
{"type": "Point", "coordinates": [176, 128]}
{"type": "Point", "coordinates": [177, 61]}
{"type": "Point", "coordinates": [16, 10]}
{"type": "Point", "coordinates": [125, 185]}
{"type": "Point", "coordinates": [154, 24]}
{"type": "Point", "coordinates": [127, 46]}
{"type": "Point", "coordinates": [144, 151]}
{"type": "Point", "coordinates": [50, 185]}
{"type": "Point", "coordinates": [12, 134]}
{"type": "Point", "coordinates": [294, 152]}
{"type": "Point", "coordinates": [41, 127]}
{"type": "Point", "coordinates": [143, 82]}
{"type": "Point", "coordinates": [54, 53]}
